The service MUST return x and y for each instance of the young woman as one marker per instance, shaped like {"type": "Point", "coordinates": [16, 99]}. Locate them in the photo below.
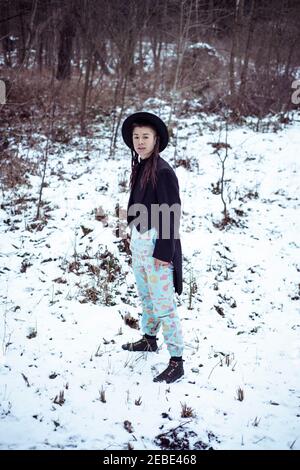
{"type": "Point", "coordinates": [153, 215]}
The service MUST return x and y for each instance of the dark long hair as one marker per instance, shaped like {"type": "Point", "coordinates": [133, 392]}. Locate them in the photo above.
{"type": "Point", "coordinates": [149, 172]}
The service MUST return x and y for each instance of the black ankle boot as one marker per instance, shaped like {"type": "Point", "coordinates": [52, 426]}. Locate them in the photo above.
{"type": "Point", "coordinates": [173, 372]}
{"type": "Point", "coordinates": [144, 344]}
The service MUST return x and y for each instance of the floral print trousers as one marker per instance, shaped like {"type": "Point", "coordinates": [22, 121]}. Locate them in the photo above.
{"type": "Point", "coordinates": [156, 291]}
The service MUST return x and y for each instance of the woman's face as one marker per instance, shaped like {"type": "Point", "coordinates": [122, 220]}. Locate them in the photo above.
{"type": "Point", "coordinates": [144, 139]}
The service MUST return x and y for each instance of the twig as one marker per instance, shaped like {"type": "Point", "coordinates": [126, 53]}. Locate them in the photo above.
{"type": "Point", "coordinates": [26, 380]}
{"type": "Point", "coordinates": [5, 322]}
{"type": "Point", "coordinates": [213, 369]}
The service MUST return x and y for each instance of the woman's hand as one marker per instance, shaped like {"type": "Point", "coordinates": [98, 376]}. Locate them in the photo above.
{"type": "Point", "coordinates": [158, 263]}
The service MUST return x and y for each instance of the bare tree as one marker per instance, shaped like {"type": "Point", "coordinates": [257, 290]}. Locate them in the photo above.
{"type": "Point", "coordinates": [124, 35]}
{"type": "Point", "coordinates": [93, 39]}
{"type": "Point", "coordinates": [235, 37]}
{"type": "Point", "coordinates": [250, 30]}
{"type": "Point", "coordinates": [5, 38]}
{"type": "Point", "coordinates": [67, 34]}
{"type": "Point", "coordinates": [181, 46]}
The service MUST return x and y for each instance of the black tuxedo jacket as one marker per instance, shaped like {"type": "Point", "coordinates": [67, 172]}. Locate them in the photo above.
{"type": "Point", "coordinates": [166, 192]}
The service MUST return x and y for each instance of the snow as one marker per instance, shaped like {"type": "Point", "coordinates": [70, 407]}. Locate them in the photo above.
{"type": "Point", "coordinates": [53, 342]}
{"type": "Point", "coordinates": [209, 48]}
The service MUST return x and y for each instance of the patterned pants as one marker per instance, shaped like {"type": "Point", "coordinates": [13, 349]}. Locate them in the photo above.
{"type": "Point", "coordinates": [156, 292]}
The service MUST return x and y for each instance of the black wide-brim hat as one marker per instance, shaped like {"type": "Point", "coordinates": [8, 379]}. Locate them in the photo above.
{"type": "Point", "coordinates": [145, 119]}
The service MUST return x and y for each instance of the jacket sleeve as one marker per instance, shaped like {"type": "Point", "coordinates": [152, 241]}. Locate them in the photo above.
{"type": "Point", "coordinates": [169, 215]}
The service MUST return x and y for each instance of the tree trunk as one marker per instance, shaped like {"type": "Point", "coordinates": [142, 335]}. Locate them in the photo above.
{"type": "Point", "coordinates": [244, 71]}
{"type": "Point", "coordinates": [65, 49]}
{"type": "Point", "coordinates": [85, 92]}
{"type": "Point", "coordinates": [156, 46]}
{"type": "Point", "coordinates": [40, 53]}
{"type": "Point", "coordinates": [240, 25]}
{"type": "Point", "coordinates": [235, 45]}
{"type": "Point", "coordinates": [31, 33]}
{"type": "Point", "coordinates": [184, 27]}
{"type": "Point", "coordinates": [232, 56]}
{"type": "Point", "coordinates": [290, 55]}
{"type": "Point", "coordinates": [6, 42]}
{"type": "Point", "coordinates": [21, 47]}
{"type": "Point", "coordinates": [210, 18]}
{"type": "Point", "coordinates": [123, 95]}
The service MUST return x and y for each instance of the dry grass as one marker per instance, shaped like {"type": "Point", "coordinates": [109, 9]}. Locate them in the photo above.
{"type": "Point", "coordinates": [14, 169]}
{"type": "Point", "coordinates": [60, 399]}
{"type": "Point", "coordinates": [187, 411]}
{"type": "Point", "coordinates": [32, 333]}
{"type": "Point", "coordinates": [240, 394]}
{"type": "Point", "coordinates": [90, 295]}
{"type": "Point", "coordinates": [128, 426]}
{"type": "Point", "coordinates": [131, 322]}
{"type": "Point", "coordinates": [102, 397]}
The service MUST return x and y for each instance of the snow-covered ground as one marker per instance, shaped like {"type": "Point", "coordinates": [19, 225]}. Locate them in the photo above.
{"type": "Point", "coordinates": [65, 381]}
